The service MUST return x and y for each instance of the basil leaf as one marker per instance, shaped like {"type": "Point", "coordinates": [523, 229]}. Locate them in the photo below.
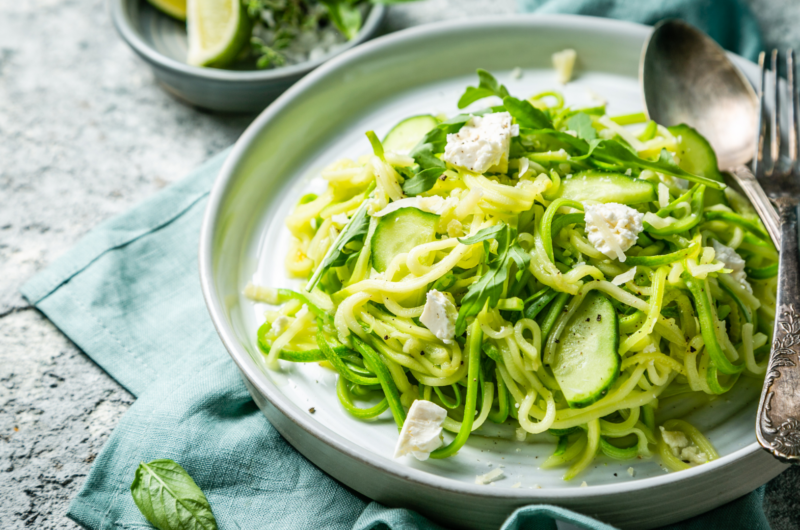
{"type": "Point", "coordinates": [422, 181]}
{"type": "Point", "coordinates": [526, 114]}
{"type": "Point", "coordinates": [581, 123]}
{"type": "Point", "coordinates": [490, 232]}
{"type": "Point", "coordinates": [169, 499]}
{"type": "Point", "coordinates": [356, 229]}
{"type": "Point", "coordinates": [487, 86]}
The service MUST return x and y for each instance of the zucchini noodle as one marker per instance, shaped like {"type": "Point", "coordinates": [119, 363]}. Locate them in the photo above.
{"type": "Point", "coordinates": [485, 293]}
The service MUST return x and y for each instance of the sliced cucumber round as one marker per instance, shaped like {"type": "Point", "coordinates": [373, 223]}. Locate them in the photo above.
{"type": "Point", "coordinates": [399, 232]}
{"type": "Point", "coordinates": [406, 134]}
{"type": "Point", "coordinates": [586, 361]}
{"type": "Point", "coordinates": [605, 187]}
{"type": "Point", "coordinates": [696, 156]}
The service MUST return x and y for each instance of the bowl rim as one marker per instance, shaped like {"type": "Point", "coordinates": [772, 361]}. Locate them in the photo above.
{"type": "Point", "coordinates": [258, 379]}
{"type": "Point", "coordinates": [133, 38]}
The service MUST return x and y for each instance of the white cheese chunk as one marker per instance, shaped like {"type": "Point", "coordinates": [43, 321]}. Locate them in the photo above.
{"type": "Point", "coordinates": [732, 261]}
{"type": "Point", "coordinates": [612, 228]}
{"type": "Point", "coordinates": [340, 220]}
{"type": "Point", "coordinates": [682, 448]}
{"type": "Point", "coordinates": [631, 471]}
{"type": "Point", "coordinates": [564, 63]}
{"type": "Point", "coordinates": [439, 316]}
{"type": "Point", "coordinates": [422, 430]}
{"type": "Point", "coordinates": [279, 325]}
{"type": "Point", "coordinates": [489, 477]}
{"type": "Point", "coordinates": [434, 204]}
{"type": "Point", "coordinates": [625, 277]}
{"type": "Point", "coordinates": [482, 144]}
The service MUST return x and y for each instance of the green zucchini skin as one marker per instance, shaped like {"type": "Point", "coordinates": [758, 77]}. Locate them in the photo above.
{"type": "Point", "coordinates": [586, 361]}
{"type": "Point", "coordinates": [696, 156]}
{"type": "Point", "coordinates": [406, 134]}
{"type": "Point", "coordinates": [399, 232]}
{"type": "Point", "coordinates": [605, 187]}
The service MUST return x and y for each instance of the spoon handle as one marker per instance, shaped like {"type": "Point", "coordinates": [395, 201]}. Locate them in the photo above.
{"type": "Point", "coordinates": [750, 186]}
{"type": "Point", "coordinates": [778, 419]}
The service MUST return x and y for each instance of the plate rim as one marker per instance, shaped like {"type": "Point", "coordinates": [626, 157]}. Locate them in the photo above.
{"type": "Point", "coordinates": [291, 411]}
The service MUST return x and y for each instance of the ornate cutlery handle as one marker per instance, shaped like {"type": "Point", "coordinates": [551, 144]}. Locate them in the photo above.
{"type": "Point", "coordinates": [750, 186]}
{"type": "Point", "coordinates": [777, 423]}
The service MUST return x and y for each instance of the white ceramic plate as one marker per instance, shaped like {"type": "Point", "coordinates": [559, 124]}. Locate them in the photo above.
{"type": "Point", "coordinates": [323, 118]}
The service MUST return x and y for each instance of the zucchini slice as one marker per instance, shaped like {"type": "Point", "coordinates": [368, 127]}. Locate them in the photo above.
{"type": "Point", "coordinates": [586, 362]}
{"type": "Point", "coordinates": [605, 187]}
{"type": "Point", "coordinates": [399, 232]}
{"type": "Point", "coordinates": [405, 135]}
{"type": "Point", "coordinates": [696, 156]}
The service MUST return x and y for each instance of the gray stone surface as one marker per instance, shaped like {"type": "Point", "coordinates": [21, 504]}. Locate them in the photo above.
{"type": "Point", "coordinates": [84, 135]}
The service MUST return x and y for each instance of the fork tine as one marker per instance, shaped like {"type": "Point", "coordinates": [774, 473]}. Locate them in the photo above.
{"type": "Point", "coordinates": [793, 107]}
{"type": "Point", "coordinates": [775, 128]}
{"type": "Point", "coordinates": [762, 122]}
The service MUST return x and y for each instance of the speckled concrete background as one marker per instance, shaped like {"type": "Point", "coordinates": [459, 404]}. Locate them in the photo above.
{"type": "Point", "coordinates": [84, 135]}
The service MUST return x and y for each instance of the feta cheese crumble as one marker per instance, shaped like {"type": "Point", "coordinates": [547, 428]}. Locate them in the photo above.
{"type": "Point", "coordinates": [612, 228]}
{"type": "Point", "coordinates": [489, 477]}
{"type": "Point", "coordinates": [422, 430]}
{"type": "Point", "coordinates": [279, 325]}
{"type": "Point", "coordinates": [482, 144]}
{"type": "Point", "coordinates": [682, 448]}
{"type": "Point", "coordinates": [439, 316]}
{"type": "Point", "coordinates": [434, 204]}
{"type": "Point", "coordinates": [340, 220]}
{"type": "Point", "coordinates": [732, 261]}
{"type": "Point", "coordinates": [631, 471]}
{"type": "Point", "coordinates": [564, 63]}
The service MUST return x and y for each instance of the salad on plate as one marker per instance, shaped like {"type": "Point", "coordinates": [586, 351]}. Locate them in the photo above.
{"type": "Point", "coordinates": [547, 268]}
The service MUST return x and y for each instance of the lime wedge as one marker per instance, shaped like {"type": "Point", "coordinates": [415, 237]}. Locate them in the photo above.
{"type": "Point", "coordinates": [218, 29]}
{"type": "Point", "coordinates": [174, 8]}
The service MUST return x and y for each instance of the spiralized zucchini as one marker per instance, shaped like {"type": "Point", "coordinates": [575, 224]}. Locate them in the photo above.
{"type": "Point", "coordinates": [513, 255]}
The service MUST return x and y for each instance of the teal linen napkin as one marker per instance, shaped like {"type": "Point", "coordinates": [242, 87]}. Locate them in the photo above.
{"type": "Point", "coordinates": [128, 294]}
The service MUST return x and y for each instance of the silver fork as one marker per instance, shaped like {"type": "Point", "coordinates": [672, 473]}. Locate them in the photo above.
{"type": "Point", "coordinates": [778, 419]}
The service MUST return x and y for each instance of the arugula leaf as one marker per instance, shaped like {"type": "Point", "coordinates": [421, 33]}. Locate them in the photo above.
{"type": "Point", "coordinates": [489, 286]}
{"type": "Point", "coordinates": [556, 139]}
{"type": "Point", "coordinates": [615, 153]}
{"type": "Point", "coordinates": [581, 123]}
{"type": "Point", "coordinates": [487, 86]}
{"type": "Point", "coordinates": [422, 181]}
{"type": "Point", "coordinates": [526, 114]}
{"type": "Point", "coordinates": [169, 499]}
{"type": "Point", "coordinates": [377, 146]}
{"type": "Point", "coordinates": [482, 235]}
{"type": "Point", "coordinates": [355, 230]}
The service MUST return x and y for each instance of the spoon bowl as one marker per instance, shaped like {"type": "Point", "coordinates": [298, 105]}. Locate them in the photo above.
{"type": "Point", "coordinates": [687, 78]}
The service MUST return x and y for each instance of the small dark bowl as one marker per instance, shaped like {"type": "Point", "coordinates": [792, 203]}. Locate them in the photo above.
{"type": "Point", "coordinates": [161, 42]}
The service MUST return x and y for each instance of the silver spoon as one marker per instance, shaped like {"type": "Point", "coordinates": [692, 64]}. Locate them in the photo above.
{"type": "Point", "coordinates": [687, 78]}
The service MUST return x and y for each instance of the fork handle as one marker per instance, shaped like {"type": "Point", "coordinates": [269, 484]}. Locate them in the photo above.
{"type": "Point", "coordinates": [750, 186]}
{"type": "Point", "coordinates": [778, 420]}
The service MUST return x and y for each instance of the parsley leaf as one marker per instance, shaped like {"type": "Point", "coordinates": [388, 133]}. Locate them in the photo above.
{"type": "Point", "coordinates": [487, 86]}
{"type": "Point", "coordinates": [169, 498]}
